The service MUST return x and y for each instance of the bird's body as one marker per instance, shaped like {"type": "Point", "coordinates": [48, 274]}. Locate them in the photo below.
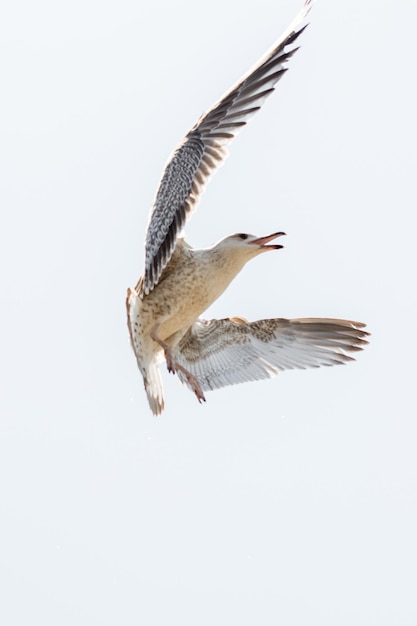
{"type": "Point", "coordinates": [192, 281]}
{"type": "Point", "coordinates": [179, 283]}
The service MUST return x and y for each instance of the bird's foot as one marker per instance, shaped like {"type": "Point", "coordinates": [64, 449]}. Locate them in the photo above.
{"type": "Point", "coordinates": [173, 366]}
{"type": "Point", "coordinates": [195, 385]}
{"type": "Point", "coordinates": [193, 382]}
{"type": "Point", "coordinates": [170, 360]}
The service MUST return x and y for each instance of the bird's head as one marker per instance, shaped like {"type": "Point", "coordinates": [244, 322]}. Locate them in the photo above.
{"type": "Point", "coordinates": [248, 246]}
{"type": "Point", "coordinates": [236, 250]}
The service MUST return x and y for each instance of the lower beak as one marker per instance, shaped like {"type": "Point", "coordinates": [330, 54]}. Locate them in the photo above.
{"type": "Point", "coordinates": [262, 241]}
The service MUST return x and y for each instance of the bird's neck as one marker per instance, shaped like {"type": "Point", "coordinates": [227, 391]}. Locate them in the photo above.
{"type": "Point", "coordinates": [221, 267]}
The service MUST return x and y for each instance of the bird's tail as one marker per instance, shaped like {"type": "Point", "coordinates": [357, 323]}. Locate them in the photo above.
{"type": "Point", "coordinates": [153, 388]}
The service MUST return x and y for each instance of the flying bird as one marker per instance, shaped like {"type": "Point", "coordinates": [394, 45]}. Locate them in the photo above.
{"type": "Point", "coordinates": [179, 282]}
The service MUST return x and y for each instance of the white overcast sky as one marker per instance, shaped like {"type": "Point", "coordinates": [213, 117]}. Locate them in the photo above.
{"type": "Point", "coordinates": [290, 501]}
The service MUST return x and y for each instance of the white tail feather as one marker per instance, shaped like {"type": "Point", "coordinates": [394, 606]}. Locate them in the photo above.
{"type": "Point", "coordinates": [154, 389]}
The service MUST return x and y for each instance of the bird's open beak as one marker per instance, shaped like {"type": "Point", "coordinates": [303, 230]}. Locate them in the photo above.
{"type": "Point", "coordinates": [262, 241]}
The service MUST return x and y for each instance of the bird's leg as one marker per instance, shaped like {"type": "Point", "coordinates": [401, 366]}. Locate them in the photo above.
{"type": "Point", "coordinates": [173, 366]}
{"type": "Point", "coordinates": [168, 351]}
{"type": "Point", "coordinates": [192, 381]}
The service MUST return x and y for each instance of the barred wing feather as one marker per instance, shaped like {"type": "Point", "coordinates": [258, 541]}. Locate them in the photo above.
{"type": "Point", "coordinates": [203, 150]}
{"type": "Point", "coordinates": [230, 351]}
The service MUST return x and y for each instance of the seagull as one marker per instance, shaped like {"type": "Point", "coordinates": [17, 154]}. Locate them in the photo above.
{"type": "Point", "coordinates": [179, 282]}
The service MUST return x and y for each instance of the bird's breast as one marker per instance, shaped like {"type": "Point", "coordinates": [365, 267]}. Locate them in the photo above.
{"type": "Point", "coordinates": [186, 291]}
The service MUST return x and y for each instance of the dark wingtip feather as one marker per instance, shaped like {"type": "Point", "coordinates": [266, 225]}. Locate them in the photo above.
{"type": "Point", "coordinates": [295, 34]}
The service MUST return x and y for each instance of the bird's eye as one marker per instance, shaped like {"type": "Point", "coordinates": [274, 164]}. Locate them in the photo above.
{"type": "Point", "coordinates": [242, 236]}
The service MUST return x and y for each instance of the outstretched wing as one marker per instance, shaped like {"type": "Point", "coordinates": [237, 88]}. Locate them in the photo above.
{"type": "Point", "coordinates": [229, 351]}
{"type": "Point", "coordinates": [203, 150]}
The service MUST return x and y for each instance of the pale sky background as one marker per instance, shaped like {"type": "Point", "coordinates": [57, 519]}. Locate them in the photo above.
{"type": "Point", "coordinates": [291, 501]}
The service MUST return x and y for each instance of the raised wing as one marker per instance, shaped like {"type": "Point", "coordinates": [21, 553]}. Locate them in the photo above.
{"type": "Point", "coordinates": [229, 351]}
{"type": "Point", "coordinates": [203, 150]}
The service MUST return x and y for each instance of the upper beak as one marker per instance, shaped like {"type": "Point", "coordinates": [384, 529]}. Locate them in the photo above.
{"type": "Point", "coordinates": [261, 241]}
